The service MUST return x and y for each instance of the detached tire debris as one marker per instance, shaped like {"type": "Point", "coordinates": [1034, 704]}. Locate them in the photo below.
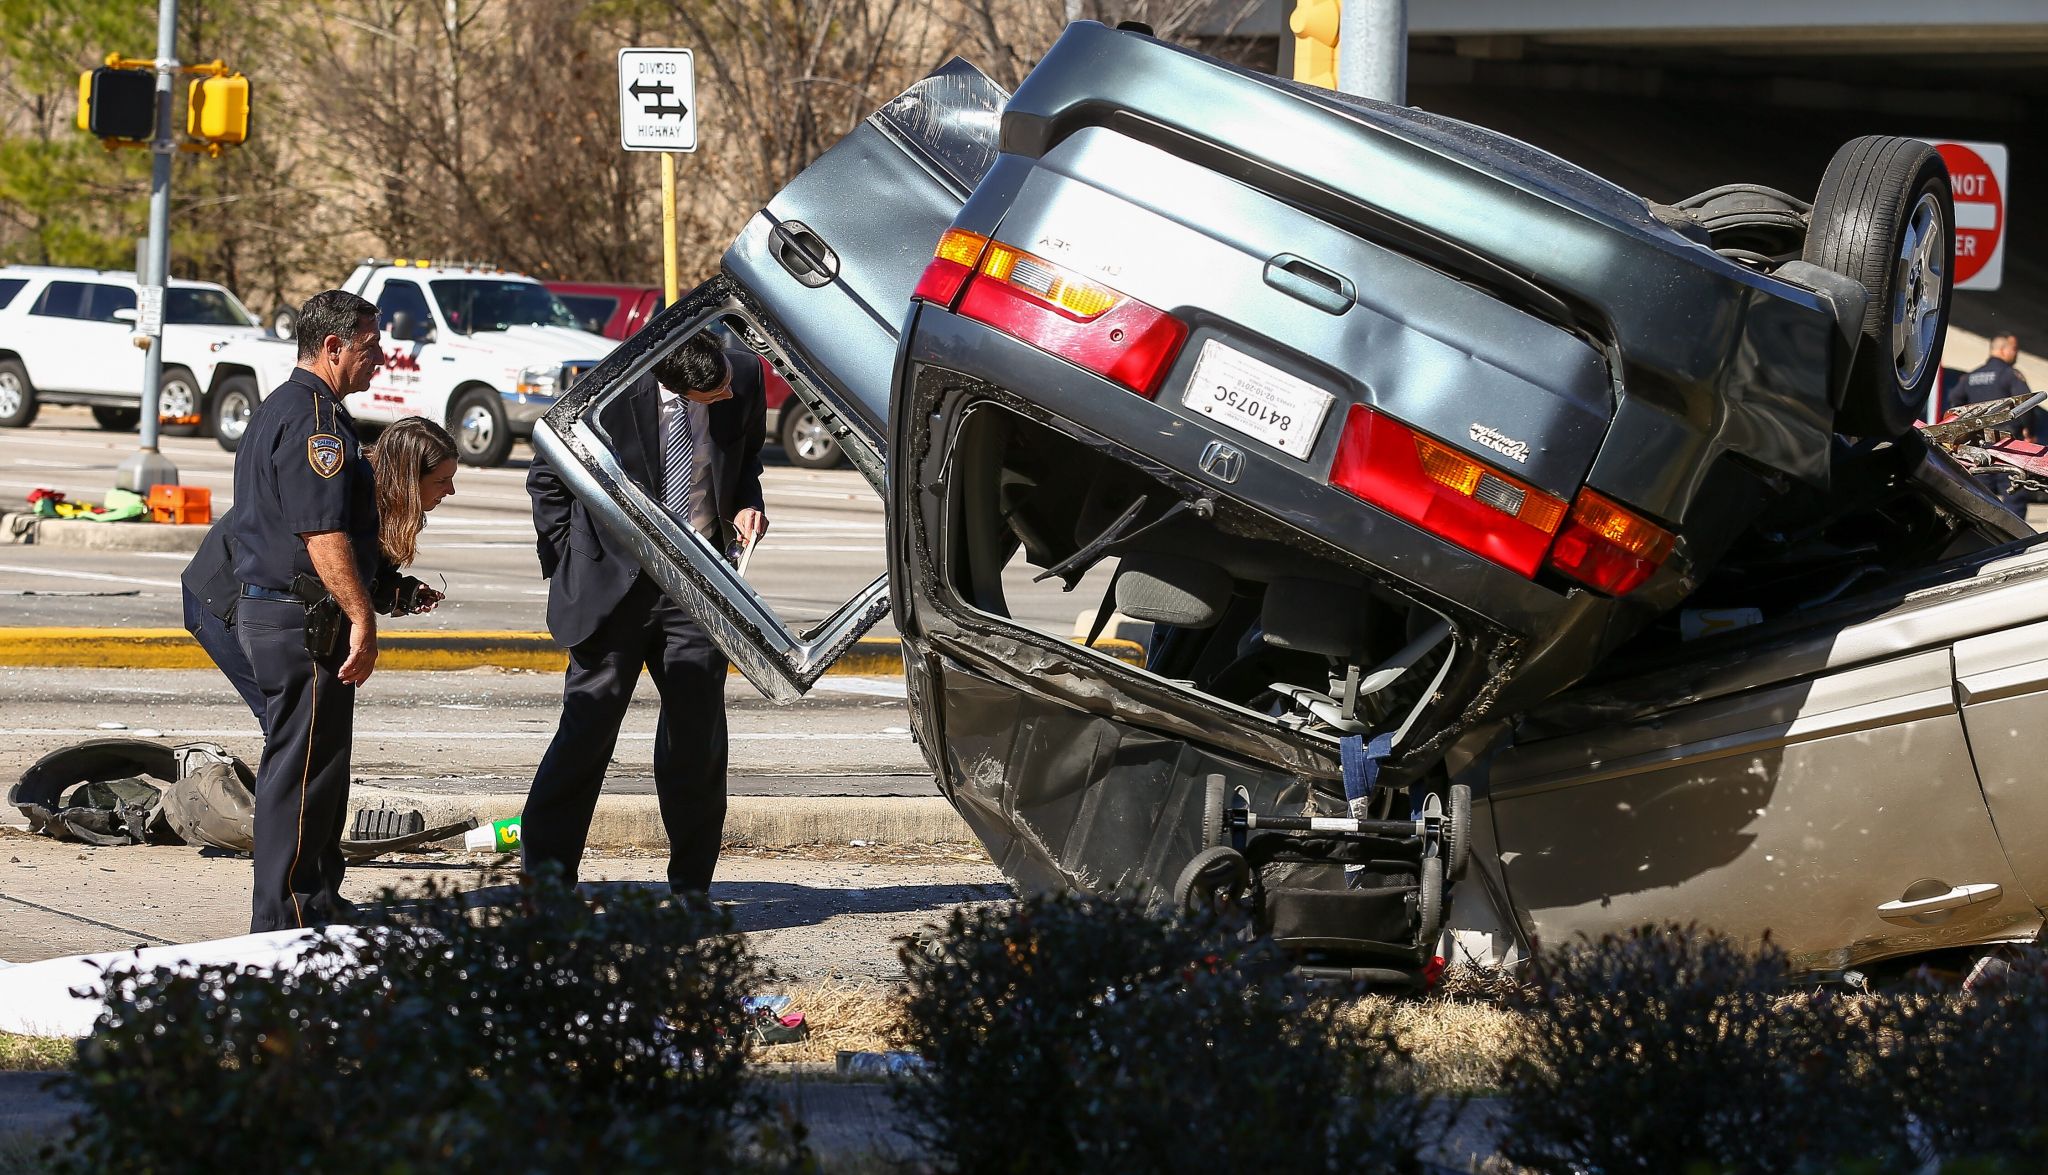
{"type": "Point", "coordinates": [110, 792]}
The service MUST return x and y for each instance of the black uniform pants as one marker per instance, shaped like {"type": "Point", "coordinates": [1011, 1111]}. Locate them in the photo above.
{"type": "Point", "coordinates": [302, 784]}
{"type": "Point", "coordinates": [646, 628]}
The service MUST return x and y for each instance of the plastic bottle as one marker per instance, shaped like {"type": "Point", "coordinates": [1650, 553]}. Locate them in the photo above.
{"type": "Point", "coordinates": [499, 836]}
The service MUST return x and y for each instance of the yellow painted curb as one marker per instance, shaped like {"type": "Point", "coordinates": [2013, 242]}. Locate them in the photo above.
{"type": "Point", "coordinates": [174, 648]}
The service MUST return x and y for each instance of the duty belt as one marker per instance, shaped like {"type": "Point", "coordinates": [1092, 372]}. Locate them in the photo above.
{"type": "Point", "coordinates": [305, 590]}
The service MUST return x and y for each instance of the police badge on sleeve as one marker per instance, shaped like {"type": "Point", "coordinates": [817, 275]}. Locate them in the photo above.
{"type": "Point", "coordinates": [323, 453]}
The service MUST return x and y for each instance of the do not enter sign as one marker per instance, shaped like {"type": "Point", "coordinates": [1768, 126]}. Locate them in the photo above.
{"type": "Point", "coordinates": [1976, 174]}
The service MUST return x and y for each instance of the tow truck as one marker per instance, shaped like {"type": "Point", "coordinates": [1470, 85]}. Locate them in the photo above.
{"type": "Point", "coordinates": [482, 349]}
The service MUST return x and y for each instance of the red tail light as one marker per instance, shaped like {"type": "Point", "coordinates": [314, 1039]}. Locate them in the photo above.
{"type": "Point", "coordinates": [1609, 547]}
{"type": "Point", "coordinates": [1445, 492]}
{"type": "Point", "coordinates": [952, 264]}
{"type": "Point", "coordinates": [1081, 321]}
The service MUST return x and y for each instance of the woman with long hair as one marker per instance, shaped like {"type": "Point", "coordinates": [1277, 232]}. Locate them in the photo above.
{"type": "Point", "coordinates": [415, 465]}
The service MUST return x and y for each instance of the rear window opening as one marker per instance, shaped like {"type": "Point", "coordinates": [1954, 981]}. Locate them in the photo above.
{"type": "Point", "coordinates": [1049, 535]}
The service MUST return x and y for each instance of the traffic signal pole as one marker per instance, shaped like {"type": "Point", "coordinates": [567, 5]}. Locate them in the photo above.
{"type": "Point", "coordinates": [1372, 50]}
{"type": "Point", "coordinates": [148, 467]}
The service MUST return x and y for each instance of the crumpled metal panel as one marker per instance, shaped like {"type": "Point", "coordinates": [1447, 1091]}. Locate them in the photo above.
{"type": "Point", "coordinates": [1063, 798]}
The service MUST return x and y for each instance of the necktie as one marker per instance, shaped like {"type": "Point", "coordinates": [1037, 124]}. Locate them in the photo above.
{"type": "Point", "coordinates": [678, 460]}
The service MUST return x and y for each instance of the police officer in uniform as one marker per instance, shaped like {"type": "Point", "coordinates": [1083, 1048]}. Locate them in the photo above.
{"type": "Point", "coordinates": [305, 542]}
{"type": "Point", "coordinates": [1998, 380]}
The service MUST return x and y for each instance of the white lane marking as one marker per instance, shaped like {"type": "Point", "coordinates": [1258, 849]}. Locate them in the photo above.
{"type": "Point", "coordinates": [18, 569]}
{"type": "Point", "coordinates": [471, 735]}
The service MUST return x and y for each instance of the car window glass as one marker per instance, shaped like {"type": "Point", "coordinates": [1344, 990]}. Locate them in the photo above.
{"type": "Point", "coordinates": [204, 308]}
{"type": "Point", "coordinates": [474, 304]}
{"type": "Point", "coordinates": [404, 296]}
{"type": "Point", "coordinates": [62, 300]}
{"type": "Point", "coordinates": [592, 311]}
{"type": "Point", "coordinates": [104, 300]}
{"type": "Point", "coordinates": [10, 286]}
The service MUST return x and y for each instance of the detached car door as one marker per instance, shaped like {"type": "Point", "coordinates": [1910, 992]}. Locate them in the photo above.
{"type": "Point", "coordinates": [818, 284]}
{"type": "Point", "coordinates": [1817, 785]}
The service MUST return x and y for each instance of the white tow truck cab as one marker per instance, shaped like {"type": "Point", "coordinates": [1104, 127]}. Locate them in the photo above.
{"type": "Point", "coordinates": [480, 349]}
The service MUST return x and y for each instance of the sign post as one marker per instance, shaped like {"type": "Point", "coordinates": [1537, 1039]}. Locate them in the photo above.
{"type": "Point", "coordinates": [658, 112]}
{"type": "Point", "coordinates": [1976, 174]}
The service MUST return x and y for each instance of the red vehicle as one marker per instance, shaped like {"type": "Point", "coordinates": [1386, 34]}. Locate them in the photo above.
{"type": "Point", "coordinates": [616, 311]}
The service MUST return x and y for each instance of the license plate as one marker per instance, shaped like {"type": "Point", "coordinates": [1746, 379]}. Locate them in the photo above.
{"type": "Point", "coordinates": [1250, 396]}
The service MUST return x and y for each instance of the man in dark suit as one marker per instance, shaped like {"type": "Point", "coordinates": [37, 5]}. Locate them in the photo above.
{"type": "Point", "coordinates": [690, 435]}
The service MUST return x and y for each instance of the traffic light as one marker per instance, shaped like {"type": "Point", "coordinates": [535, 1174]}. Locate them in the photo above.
{"type": "Point", "coordinates": [1315, 41]}
{"type": "Point", "coordinates": [217, 109]}
{"type": "Point", "coordinates": [118, 103]}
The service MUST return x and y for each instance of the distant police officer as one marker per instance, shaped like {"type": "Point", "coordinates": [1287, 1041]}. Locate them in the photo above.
{"type": "Point", "coordinates": [1997, 380]}
{"type": "Point", "coordinates": [305, 539]}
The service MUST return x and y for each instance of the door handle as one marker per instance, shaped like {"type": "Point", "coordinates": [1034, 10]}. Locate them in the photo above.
{"type": "Point", "coordinates": [1302, 279]}
{"type": "Point", "coordinates": [1908, 911]}
{"type": "Point", "coordinates": [803, 253]}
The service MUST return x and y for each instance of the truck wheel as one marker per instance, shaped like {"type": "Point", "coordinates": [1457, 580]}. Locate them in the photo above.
{"type": "Point", "coordinates": [17, 396]}
{"type": "Point", "coordinates": [227, 412]}
{"type": "Point", "coordinates": [806, 440]}
{"type": "Point", "coordinates": [177, 399]}
{"type": "Point", "coordinates": [117, 419]}
{"type": "Point", "coordinates": [482, 434]}
{"type": "Point", "coordinates": [1883, 216]}
{"type": "Point", "coordinates": [284, 323]}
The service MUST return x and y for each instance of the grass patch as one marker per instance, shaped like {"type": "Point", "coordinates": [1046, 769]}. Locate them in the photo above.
{"type": "Point", "coordinates": [35, 1054]}
{"type": "Point", "coordinates": [1457, 1046]}
{"type": "Point", "coordinates": [860, 1017]}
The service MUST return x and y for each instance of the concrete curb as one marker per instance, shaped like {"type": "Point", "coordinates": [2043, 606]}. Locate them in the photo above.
{"type": "Point", "coordinates": [174, 648]}
{"type": "Point", "coordinates": [761, 822]}
{"type": "Point", "coordinates": [81, 535]}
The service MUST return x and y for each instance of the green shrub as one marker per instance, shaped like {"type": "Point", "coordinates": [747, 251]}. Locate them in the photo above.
{"type": "Point", "coordinates": [1668, 1050]}
{"type": "Point", "coordinates": [1079, 1034]}
{"type": "Point", "coordinates": [1970, 1070]}
{"type": "Point", "coordinates": [547, 1035]}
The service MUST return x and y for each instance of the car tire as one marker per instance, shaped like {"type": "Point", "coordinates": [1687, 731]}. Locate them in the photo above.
{"type": "Point", "coordinates": [178, 394]}
{"type": "Point", "coordinates": [1884, 216]}
{"type": "Point", "coordinates": [477, 421]}
{"type": "Point", "coordinates": [229, 408]}
{"type": "Point", "coordinates": [117, 419]}
{"type": "Point", "coordinates": [18, 404]}
{"type": "Point", "coordinates": [805, 439]}
{"type": "Point", "coordinates": [284, 323]}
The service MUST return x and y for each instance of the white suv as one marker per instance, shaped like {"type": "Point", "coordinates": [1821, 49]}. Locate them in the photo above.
{"type": "Point", "coordinates": [64, 339]}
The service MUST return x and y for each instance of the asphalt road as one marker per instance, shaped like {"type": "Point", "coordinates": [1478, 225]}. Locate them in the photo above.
{"type": "Point", "coordinates": [825, 542]}
{"type": "Point", "coordinates": [479, 731]}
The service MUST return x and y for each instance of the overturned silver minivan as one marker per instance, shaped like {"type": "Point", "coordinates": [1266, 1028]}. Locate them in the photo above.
{"type": "Point", "coordinates": [1521, 559]}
